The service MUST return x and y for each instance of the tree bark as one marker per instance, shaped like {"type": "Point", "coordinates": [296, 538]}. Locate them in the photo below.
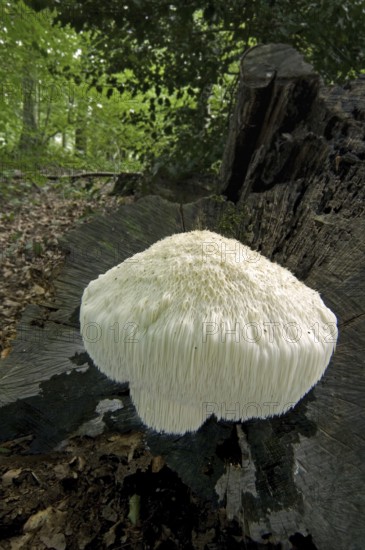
{"type": "Point", "coordinates": [29, 138]}
{"type": "Point", "coordinates": [80, 130]}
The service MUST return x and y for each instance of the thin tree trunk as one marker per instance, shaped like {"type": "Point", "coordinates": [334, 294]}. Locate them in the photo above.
{"type": "Point", "coordinates": [28, 141]}
{"type": "Point", "coordinates": [80, 130]}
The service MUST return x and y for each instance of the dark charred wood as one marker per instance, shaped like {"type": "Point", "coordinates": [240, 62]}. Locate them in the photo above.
{"type": "Point", "coordinates": [127, 184]}
{"type": "Point", "coordinates": [287, 128]}
{"type": "Point", "coordinates": [276, 92]}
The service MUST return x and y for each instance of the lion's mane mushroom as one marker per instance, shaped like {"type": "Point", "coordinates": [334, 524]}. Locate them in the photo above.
{"type": "Point", "coordinates": [200, 324]}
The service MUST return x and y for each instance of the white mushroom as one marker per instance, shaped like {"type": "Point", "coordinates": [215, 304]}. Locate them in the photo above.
{"type": "Point", "coordinates": [199, 324]}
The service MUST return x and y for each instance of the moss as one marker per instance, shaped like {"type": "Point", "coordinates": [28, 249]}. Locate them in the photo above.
{"type": "Point", "coordinates": [231, 219]}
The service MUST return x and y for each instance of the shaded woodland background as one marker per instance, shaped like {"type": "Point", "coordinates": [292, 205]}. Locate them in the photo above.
{"type": "Point", "coordinates": [146, 85]}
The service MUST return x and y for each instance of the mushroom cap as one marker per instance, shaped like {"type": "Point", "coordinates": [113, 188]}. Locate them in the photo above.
{"type": "Point", "coordinates": [199, 324]}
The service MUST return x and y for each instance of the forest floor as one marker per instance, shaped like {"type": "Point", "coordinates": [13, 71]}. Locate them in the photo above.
{"type": "Point", "coordinates": [105, 492]}
{"type": "Point", "coordinates": [32, 222]}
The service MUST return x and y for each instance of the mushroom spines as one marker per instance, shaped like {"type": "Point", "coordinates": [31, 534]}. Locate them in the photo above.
{"type": "Point", "coordinates": [198, 318]}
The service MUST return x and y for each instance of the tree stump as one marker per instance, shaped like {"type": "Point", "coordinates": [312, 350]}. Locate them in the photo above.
{"type": "Point", "coordinates": [293, 174]}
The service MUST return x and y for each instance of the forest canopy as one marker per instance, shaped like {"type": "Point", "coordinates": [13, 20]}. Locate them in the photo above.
{"type": "Point", "coordinates": [148, 84]}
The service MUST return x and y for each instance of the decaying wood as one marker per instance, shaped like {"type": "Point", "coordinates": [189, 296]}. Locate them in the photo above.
{"type": "Point", "coordinates": [79, 175]}
{"type": "Point", "coordinates": [294, 169]}
{"type": "Point", "coordinates": [19, 174]}
{"type": "Point", "coordinates": [276, 92]}
{"type": "Point", "coordinates": [294, 163]}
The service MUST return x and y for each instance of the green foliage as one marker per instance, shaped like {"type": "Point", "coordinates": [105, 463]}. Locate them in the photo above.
{"type": "Point", "coordinates": [230, 219]}
{"type": "Point", "coordinates": [192, 50]}
{"type": "Point", "coordinates": [64, 103]}
{"type": "Point", "coordinates": [148, 84]}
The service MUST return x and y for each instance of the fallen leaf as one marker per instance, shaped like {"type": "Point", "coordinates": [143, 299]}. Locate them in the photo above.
{"type": "Point", "coordinates": [109, 514]}
{"type": "Point", "coordinates": [21, 543]}
{"type": "Point", "coordinates": [38, 290]}
{"type": "Point", "coordinates": [10, 303]}
{"type": "Point", "coordinates": [10, 475]}
{"type": "Point", "coordinates": [110, 536]}
{"type": "Point", "coordinates": [36, 521]}
{"type": "Point", "coordinates": [56, 541]}
{"type": "Point", "coordinates": [62, 471]}
{"type": "Point", "coordinates": [157, 464]}
{"type": "Point", "coordinates": [5, 352]}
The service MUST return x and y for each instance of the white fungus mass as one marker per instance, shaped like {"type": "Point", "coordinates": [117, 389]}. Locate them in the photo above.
{"type": "Point", "coordinates": [199, 324]}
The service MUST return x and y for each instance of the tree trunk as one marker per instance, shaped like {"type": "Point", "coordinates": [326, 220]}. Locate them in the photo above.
{"type": "Point", "coordinates": [29, 138]}
{"type": "Point", "coordinates": [294, 169]}
{"type": "Point", "coordinates": [81, 129]}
